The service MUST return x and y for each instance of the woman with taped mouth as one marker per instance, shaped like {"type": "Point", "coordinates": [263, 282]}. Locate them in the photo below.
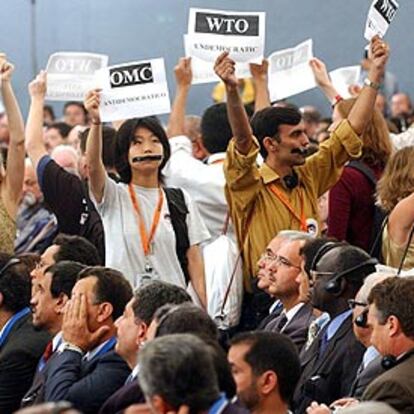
{"type": "Point", "coordinates": [151, 232]}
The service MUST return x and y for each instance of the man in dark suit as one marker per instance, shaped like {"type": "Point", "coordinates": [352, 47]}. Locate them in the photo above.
{"type": "Point", "coordinates": [50, 295]}
{"type": "Point", "coordinates": [391, 316]}
{"type": "Point", "coordinates": [20, 344]}
{"type": "Point", "coordinates": [132, 329]}
{"type": "Point", "coordinates": [330, 364]}
{"type": "Point", "coordinates": [86, 371]}
{"type": "Point", "coordinates": [296, 315]}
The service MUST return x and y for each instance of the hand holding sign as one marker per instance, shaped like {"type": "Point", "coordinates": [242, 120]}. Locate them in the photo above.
{"type": "Point", "coordinates": [378, 54]}
{"type": "Point", "coordinates": [320, 72]}
{"type": "Point", "coordinates": [259, 71]}
{"type": "Point", "coordinates": [183, 73]}
{"type": "Point", "coordinates": [91, 103]}
{"type": "Point", "coordinates": [37, 87]}
{"type": "Point", "coordinates": [225, 69]}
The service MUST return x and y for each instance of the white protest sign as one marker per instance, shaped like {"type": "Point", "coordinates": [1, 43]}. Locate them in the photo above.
{"type": "Point", "coordinates": [211, 32]}
{"type": "Point", "coordinates": [289, 71]}
{"type": "Point", "coordinates": [380, 15]}
{"type": "Point", "coordinates": [133, 89]}
{"type": "Point", "coordinates": [71, 74]}
{"type": "Point", "coordinates": [343, 78]}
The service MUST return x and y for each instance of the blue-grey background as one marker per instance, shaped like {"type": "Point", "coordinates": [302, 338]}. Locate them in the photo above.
{"type": "Point", "coordinates": [138, 29]}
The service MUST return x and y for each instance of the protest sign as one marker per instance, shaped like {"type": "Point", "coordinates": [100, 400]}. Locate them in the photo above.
{"type": "Point", "coordinates": [71, 74]}
{"type": "Point", "coordinates": [343, 78]}
{"type": "Point", "coordinates": [134, 89]}
{"type": "Point", "coordinates": [289, 71]}
{"type": "Point", "coordinates": [380, 15]}
{"type": "Point", "coordinates": [211, 32]}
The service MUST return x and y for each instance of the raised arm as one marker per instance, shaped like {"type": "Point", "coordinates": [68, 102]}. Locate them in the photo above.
{"type": "Point", "coordinates": [35, 146]}
{"type": "Point", "coordinates": [97, 173]}
{"type": "Point", "coordinates": [16, 153]}
{"type": "Point", "coordinates": [323, 80]}
{"type": "Point", "coordinates": [260, 79]}
{"type": "Point", "coordinates": [239, 122]}
{"type": "Point", "coordinates": [361, 112]}
{"type": "Point", "coordinates": [183, 78]}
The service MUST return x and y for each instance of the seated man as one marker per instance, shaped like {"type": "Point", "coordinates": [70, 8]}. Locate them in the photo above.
{"type": "Point", "coordinates": [87, 370]}
{"type": "Point", "coordinates": [266, 369]}
{"type": "Point", "coordinates": [50, 294]}
{"type": "Point", "coordinates": [36, 224]}
{"type": "Point", "coordinates": [21, 345]}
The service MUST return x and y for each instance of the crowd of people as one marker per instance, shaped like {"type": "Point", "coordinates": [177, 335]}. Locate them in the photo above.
{"type": "Point", "coordinates": [107, 275]}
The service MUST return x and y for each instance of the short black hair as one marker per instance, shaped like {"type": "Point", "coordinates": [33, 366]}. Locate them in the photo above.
{"type": "Point", "coordinates": [62, 127]}
{"type": "Point", "coordinates": [15, 284]}
{"type": "Point", "coordinates": [216, 131]}
{"type": "Point", "coordinates": [271, 351]}
{"type": "Point", "coordinates": [309, 250]}
{"type": "Point", "coordinates": [152, 296]}
{"type": "Point", "coordinates": [64, 276]}
{"type": "Point", "coordinates": [125, 137]}
{"type": "Point", "coordinates": [49, 108]}
{"type": "Point", "coordinates": [186, 318]}
{"type": "Point", "coordinates": [266, 122]}
{"type": "Point", "coordinates": [76, 249]}
{"type": "Point", "coordinates": [111, 286]}
{"type": "Point", "coordinates": [75, 103]}
{"type": "Point", "coordinates": [108, 144]}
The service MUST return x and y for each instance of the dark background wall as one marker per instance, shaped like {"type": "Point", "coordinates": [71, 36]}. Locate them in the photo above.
{"type": "Point", "coordinates": [138, 29]}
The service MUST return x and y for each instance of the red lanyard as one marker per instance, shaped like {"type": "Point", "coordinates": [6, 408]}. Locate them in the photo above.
{"type": "Point", "coordinates": [286, 202]}
{"type": "Point", "coordinates": [145, 240]}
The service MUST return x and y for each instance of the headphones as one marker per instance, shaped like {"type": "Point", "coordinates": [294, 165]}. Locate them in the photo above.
{"type": "Point", "coordinates": [362, 319]}
{"type": "Point", "coordinates": [291, 181]}
{"type": "Point", "coordinates": [13, 261]}
{"type": "Point", "coordinates": [390, 361]}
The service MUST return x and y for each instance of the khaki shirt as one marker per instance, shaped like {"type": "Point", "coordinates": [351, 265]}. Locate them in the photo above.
{"type": "Point", "coordinates": [247, 185]}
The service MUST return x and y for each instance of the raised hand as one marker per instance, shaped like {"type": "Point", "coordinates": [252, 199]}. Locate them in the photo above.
{"type": "Point", "coordinates": [378, 53]}
{"type": "Point", "coordinates": [92, 102]}
{"type": "Point", "coordinates": [225, 69]}
{"type": "Point", "coordinates": [37, 87]}
{"type": "Point", "coordinates": [320, 72]}
{"type": "Point", "coordinates": [259, 71]}
{"type": "Point", "coordinates": [183, 73]}
{"type": "Point", "coordinates": [6, 68]}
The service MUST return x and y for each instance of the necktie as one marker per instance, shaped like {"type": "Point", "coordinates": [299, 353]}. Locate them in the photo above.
{"type": "Point", "coordinates": [324, 343]}
{"type": "Point", "coordinates": [282, 320]}
{"type": "Point", "coordinates": [46, 355]}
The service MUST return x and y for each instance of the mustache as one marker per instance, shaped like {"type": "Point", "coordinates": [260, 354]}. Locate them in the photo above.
{"type": "Point", "coordinates": [300, 151]}
{"type": "Point", "coordinates": [142, 158]}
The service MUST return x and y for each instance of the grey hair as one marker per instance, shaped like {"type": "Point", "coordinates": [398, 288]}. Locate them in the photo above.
{"type": "Point", "coordinates": [293, 235]}
{"type": "Point", "coordinates": [369, 282]}
{"type": "Point", "coordinates": [372, 407]}
{"type": "Point", "coordinates": [180, 369]}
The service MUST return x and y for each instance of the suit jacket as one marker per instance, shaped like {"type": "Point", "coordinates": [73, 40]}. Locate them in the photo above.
{"type": "Point", "coordinates": [127, 395]}
{"type": "Point", "coordinates": [19, 357]}
{"type": "Point", "coordinates": [297, 328]}
{"type": "Point", "coordinates": [372, 371]}
{"type": "Point", "coordinates": [86, 384]}
{"type": "Point", "coordinates": [329, 377]}
{"type": "Point", "coordinates": [395, 387]}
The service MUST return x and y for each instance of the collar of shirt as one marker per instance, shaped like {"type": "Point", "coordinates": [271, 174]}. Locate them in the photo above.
{"type": "Point", "coordinates": [219, 405]}
{"type": "Point", "coordinates": [94, 352]}
{"type": "Point", "coordinates": [5, 327]}
{"type": "Point", "coordinates": [216, 158]}
{"type": "Point", "coordinates": [336, 323]}
{"type": "Point", "coordinates": [57, 340]}
{"type": "Point", "coordinates": [8, 326]}
{"type": "Point", "coordinates": [268, 175]}
{"type": "Point", "coordinates": [290, 314]}
{"type": "Point", "coordinates": [370, 354]}
{"type": "Point", "coordinates": [135, 371]}
{"type": "Point", "coordinates": [275, 305]}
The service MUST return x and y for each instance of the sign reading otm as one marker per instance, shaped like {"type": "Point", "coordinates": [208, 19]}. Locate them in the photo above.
{"type": "Point", "coordinates": [133, 89]}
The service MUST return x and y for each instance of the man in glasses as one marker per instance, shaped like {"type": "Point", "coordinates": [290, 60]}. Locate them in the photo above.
{"type": "Point", "coordinates": [330, 364]}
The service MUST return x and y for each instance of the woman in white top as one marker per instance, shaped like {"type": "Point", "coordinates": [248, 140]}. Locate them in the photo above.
{"type": "Point", "coordinates": [139, 236]}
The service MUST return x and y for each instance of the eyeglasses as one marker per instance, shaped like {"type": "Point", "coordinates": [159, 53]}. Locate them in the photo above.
{"type": "Point", "coordinates": [315, 275]}
{"type": "Point", "coordinates": [282, 261]}
{"type": "Point", "coordinates": [352, 303]}
{"type": "Point", "coordinates": [268, 256]}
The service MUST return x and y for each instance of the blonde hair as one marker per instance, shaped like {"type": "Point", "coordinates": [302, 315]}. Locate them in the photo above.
{"type": "Point", "coordinates": [397, 182]}
{"type": "Point", "coordinates": [377, 147]}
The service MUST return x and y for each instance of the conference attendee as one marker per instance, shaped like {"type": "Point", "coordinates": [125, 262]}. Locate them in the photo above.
{"type": "Point", "coordinates": [371, 407]}
{"type": "Point", "coordinates": [67, 158]}
{"type": "Point", "coordinates": [296, 313]}
{"type": "Point", "coordinates": [74, 113]}
{"type": "Point", "coordinates": [391, 316]}
{"type": "Point", "coordinates": [395, 194]}
{"type": "Point", "coordinates": [147, 236]}
{"type": "Point", "coordinates": [287, 182]}
{"type": "Point", "coordinates": [48, 115]}
{"type": "Point", "coordinates": [401, 111]}
{"type": "Point", "coordinates": [65, 247]}
{"type": "Point", "coordinates": [266, 369]}
{"type": "Point", "coordinates": [11, 178]}
{"type": "Point", "coordinates": [50, 295]}
{"type": "Point", "coordinates": [330, 364]}
{"type": "Point", "coordinates": [132, 333]}
{"type": "Point", "coordinates": [36, 224]}
{"type": "Point", "coordinates": [65, 193]}
{"type": "Point", "coordinates": [56, 134]}
{"type": "Point", "coordinates": [86, 371]}
{"type": "Point", "coordinates": [193, 364]}
{"type": "Point", "coordinates": [21, 345]}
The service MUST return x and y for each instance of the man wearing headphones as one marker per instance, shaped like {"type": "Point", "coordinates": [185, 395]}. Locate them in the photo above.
{"type": "Point", "coordinates": [391, 316]}
{"type": "Point", "coordinates": [330, 364]}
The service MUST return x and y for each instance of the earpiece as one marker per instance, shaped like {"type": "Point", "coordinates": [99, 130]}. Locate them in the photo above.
{"type": "Point", "coordinates": [390, 361]}
{"type": "Point", "coordinates": [362, 319]}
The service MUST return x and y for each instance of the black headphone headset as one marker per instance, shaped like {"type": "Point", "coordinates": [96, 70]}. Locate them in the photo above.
{"type": "Point", "coordinates": [291, 181]}
{"type": "Point", "coordinates": [13, 261]}
{"type": "Point", "coordinates": [334, 285]}
{"type": "Point", "coordinates": [390, 361]}
{"type": "Point", "coordinates": [362, 319]}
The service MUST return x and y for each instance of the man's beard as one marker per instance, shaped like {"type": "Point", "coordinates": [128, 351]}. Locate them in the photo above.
{"type": "Point", "coordinates": [29, 200]}
{"type": "Point", "coordinates": [250, 397]}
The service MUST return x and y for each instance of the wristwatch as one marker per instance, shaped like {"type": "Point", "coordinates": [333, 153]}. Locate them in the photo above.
{"type": "Point", "coordinates": [66, 346]}
{"type": "Point", "coordinates": [371, 84]}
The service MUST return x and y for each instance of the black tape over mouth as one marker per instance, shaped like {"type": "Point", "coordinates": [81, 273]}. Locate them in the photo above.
{"type": "Point", "coordinates": [142, 158]}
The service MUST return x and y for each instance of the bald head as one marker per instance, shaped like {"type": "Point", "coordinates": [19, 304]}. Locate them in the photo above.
{"type": "Point", "coordinates": [66, 157]}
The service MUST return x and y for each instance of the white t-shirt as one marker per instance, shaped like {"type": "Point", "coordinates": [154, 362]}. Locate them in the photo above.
{"type": "Point", "coordinates": [123, 248]}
